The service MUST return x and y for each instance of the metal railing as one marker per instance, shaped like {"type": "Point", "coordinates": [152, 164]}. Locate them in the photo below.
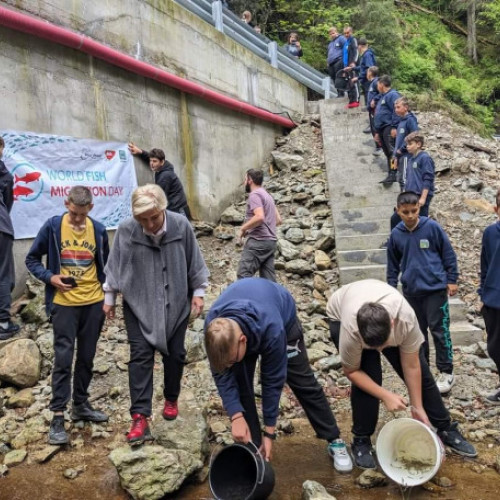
{"type": "Point", "coordinates": [228, 23]}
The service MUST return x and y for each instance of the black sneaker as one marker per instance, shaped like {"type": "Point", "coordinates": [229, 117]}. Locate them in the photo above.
{"type": "Point", "coordinates": [10, 331]}
{"type": "Point", "coordinates": [453, 440]}
{"type": "Point", "coordinates": [494, 397]}
{"type": "Point", "coordinates": [362, 451]}
{"type": "Point", "coordinates": [86, 412]}
{"type": "Point", "coordinates": [57, 432]}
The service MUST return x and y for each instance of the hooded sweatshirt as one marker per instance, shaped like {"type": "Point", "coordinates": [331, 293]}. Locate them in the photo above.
{"type": "Point", "coordinates": [264, 311]}
{"type": "Point", "coordinates": [489, 289]}
{"type": "Point", "coordinates": [384, 113]}
{"type": "Point", "coordinates": [365, 61]}
{"type": "Point", "coordinates": [335, 49]}
{"type": "Point", "coordinates": [424, 257]}
{"type": "Point", "coordinates": [407, 125]}
{"type": "Point", "coordinates": [420, 173]}
{"type": "Point", "coordinates": [6, 200]}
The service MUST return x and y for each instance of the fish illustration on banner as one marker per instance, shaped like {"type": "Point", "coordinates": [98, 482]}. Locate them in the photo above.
{"type": "Point", "coordinates": [45, 167]}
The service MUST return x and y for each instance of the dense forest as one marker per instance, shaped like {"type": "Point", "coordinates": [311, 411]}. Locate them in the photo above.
{"type": "Point", "coordinates": [444, 54]}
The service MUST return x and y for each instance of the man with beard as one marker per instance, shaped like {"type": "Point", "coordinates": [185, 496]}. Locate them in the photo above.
{"type": "Point", "coordinates": [259, 228]}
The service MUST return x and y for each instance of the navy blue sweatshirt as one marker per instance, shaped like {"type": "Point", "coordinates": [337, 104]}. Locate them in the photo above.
{"type": "Point", "coordinates": [373, 94]}
{"type": "Point", "coordinates": [365, 61]}
{"type": "Point", "coordinates": [424, 257]}
{"type": "Point", "coordinates": [407, 125]}
{"type": "Point", "coordinates": [335, 49]}
{"type": "Point", "coordinates": [489, 288]}
{"type": "Point", "coordinates": [264, 311]}
{"type": "Point", "coordinates": [6, 200]}
{"type": "Point", "coordinates": [420, 173]}
{"type": "Point", "coordinates": [48, 242]}
{"type": "Point", "coordinates": [384, 113]}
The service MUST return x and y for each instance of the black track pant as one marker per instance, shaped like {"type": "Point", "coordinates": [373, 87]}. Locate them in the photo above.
{"type": "Point", "coordinates": [81, 325]}
{"type": "Point", "coordinates": [300, 378]}
{"type": "Point", "coordinates": [7, 278]}
{"type": "Point", "coordinates": [142, 359]}
{"type": "Point", "coordinates": [492, 320]}
{"type": "Point", "coordinates": [365, 407]}
{"type": "Point", "coordinates": [387, 143]}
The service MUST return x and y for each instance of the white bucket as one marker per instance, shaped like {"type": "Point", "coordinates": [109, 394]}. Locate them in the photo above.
{"type": "Point", "coordinates": [409, 452]}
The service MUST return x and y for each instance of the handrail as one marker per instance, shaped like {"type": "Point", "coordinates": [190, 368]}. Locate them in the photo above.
{"type": "Point", "coordinates": [228, 23]}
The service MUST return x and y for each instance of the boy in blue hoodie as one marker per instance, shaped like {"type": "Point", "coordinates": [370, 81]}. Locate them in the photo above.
{"type": "Point", "coordinates": [256, 317]}
{"type": "Point", "coordinates": [489, 291]}
{"type": "Point", "coordinates": [420, 250]}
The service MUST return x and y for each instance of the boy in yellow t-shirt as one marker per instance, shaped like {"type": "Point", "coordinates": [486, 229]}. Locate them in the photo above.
{"type": "Point", "coordinates": [77, 250]}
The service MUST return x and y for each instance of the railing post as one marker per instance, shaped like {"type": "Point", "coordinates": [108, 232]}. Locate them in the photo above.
{"type": "Point", "coordinates": [272, 50]}
{"type": "Point", "coordinates": [325, 85]}
{"type": "Point", "coordinates": [217, 16]}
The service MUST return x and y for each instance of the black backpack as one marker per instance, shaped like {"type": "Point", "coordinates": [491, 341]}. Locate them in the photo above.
{"type": "Point", "coordinates": [343, 79]}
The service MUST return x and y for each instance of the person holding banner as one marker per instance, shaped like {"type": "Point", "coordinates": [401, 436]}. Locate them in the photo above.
{"type": "Point", "coordinates": [7, 328]}
{"type": "Point", "coordinates": [77, 249]}
{"type": "Point", "coordinates": [166, 178]}
{"type": "Point", "coordinates": [156, 264]}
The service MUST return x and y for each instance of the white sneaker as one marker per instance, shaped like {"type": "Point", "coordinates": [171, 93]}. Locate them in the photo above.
{"type": "Point", "coordinates": [445, 382]}
{"type": "Point", "coordinates": [341, 459]}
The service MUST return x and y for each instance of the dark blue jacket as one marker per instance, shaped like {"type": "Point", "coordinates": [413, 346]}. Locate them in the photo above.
{"type": "Point", "coordinates": [335, 49]}
{"type": "Point", "coordinates": [420, 173]}
{"type": "Point", "coordinates": [365, 61]}
{"type": "Point", "coordinates": [424, 257]}
{"type": "Point", "coordinates": [489, 288]}
{"type": "Point", "coordinates": [264, 311]}
{"type": "Point", "coordinates": [6, 200]}
{"type": "Point", "coordinates": [407, 125]}
{"type": "Point", "coordinates": [384, 113]}
{"type": "Point", "coordinates": [48, 242]}
{"type": "Point", "coordinates": [373, 94]}
{"type": "Point", "coordinates": [350, 52]}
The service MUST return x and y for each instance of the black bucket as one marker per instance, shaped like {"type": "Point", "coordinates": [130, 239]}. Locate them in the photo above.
{"type": "Point", "coordinates": [239, 472]}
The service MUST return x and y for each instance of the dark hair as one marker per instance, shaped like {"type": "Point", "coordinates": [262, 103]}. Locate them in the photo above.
{"type": "Point", "coordinates": [2, 142]}
{"type": "Point", "coordinates": [416, 136]}
{"type": "Point", "coordinates": [292, 33]}
{"type": "Point", "coordinates": [385, 80]}
{"type": "Point", "coordinates": [363, 41]}
{"type": "Point", "coordinates": [373, 70]}
{"type": "Point", "coordinates": [374, 324]}
{"type": "Point", "coordinates": [407, 198]}
{"type": "Point", "coordinates": [157, 153]}
{"type": "Point", "coordinates": [256, 175]}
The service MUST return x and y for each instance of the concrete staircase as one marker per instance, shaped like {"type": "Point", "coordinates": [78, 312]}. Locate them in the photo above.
{"type": "Point", "coordinates": [362, 207]}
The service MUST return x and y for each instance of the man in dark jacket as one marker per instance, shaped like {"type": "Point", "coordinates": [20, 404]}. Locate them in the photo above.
{"type": "Point", "coordinates": [350, 56]}
{"type": "Point", "coordinates": [77, 249]}
{"type": "Point", "coordinates": [256, 317]}
{"type": "Point", "coordinates": [166, 178]}
{"type": "Point", "coordinates": [334, 56]}
{"type": "Point", "coordinates": [7, 279]}
{"type": "Point", "coordinates": [366, 60]}
{"type": "Point", "coordinates": [386, 123]}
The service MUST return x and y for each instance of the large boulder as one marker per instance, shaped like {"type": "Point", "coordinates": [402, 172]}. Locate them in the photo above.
{"type": "Point", "coordinates": [298, 266]}
{"type": "Point", "coordinates": [20, 363]}
{"type": "Point", "coordinates": [288, 249]}
{"type": "Point", "coordinates": [284, 160]}
{"type": "Point", "coordinates": [232, 216]}
{"type": "Point", "coordinates": [151, 472]}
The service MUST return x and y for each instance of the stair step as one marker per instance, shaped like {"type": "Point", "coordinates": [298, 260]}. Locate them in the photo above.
{"type": "Point", "coordinates": [361, 242]}
{"type": "Point", "coordinates": [348, 274]}
{"type": "Point", "coordinates": [353, 228]}
{"type": "Point", "coordinates": [465, 333]}
{"type": "Point", "coordinates": [360, 257]}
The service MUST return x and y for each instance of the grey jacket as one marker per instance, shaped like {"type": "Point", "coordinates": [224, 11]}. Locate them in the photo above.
{"type": "Point", "coordinates": [157, 281]}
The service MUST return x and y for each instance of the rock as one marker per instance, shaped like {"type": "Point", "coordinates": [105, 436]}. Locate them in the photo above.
{"type": "Point", "coordinates": [70, 473]}
{"type": "Point", "coordinates": [315, 355]}
{"type": "Point", "coordinates": [14, 458]}
{"type": "Point", "coordinates": [34, 312]}
{"type": "Point", "coordinates": [1, 406]}
{"type": "Point", "coordinates": [45, 454]}
{"type": "Point", "coordinates": [218, 427]}
{"type": "Point", "coordinates": [320, 284]}
{"type": "Point", "coordinates": [101, 368]}
{"type": "Point", "coordinates": [497, 463]}
{"type": "Point", "coordinates": [31, 432]}
{"type": "Point", "coordinates": [3, 470]}
{"type": "Point", "coordinates": [20, 363]}
{"type": "Point", "coordinates": [288, 249]}
{"type": "Point", "coordinates": [474, 184]}
{"type": "Point", "coordinates": [22, 399]}
{"type": "Point", "coordinates": [370, 479]}
{"type": "Point", "coordinates": [150, 472]}
{"type": "Point", "coordinates": [442, 481]}
{"type": "Point", "coordinates": [45, 343]}
{"type": "Point", "coordinates": [202, 228]}
{"type": "Point", "coordinates": [311, 490]}
{"type": "Point", "coordinates": [224, 232]}
{"type": "Point", "coordinates": [485, 364]}
{"type": "Point", "coordinates": [330, 363]}
{"type": "Point", "coordinates": [283, 161]}
{"type": "Point", "coordinates": [298, 266]}
{"type": "Point", "coordinates": [295, 235]}
{"type": "Point", "coordinates": [232, 216]}
{"type": "Point", "coordinates": [322, 260]}
{"type": "Point", "coordinates": [195, 346]}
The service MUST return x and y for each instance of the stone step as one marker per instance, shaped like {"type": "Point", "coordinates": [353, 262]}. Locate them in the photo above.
{"type": "Point", "coordinates": [343, 215]}
{"type": "Point", "coordinates": [355, 228]}
{"type": "Point", "coordinates": [345, 200]}
{"type": "Point", "coordinates": [361, 242]}
{"type": "Point", "coordinates": [465, 333]}
{"type": "Point", "coordinates": [458, 309]}
{"type": "Point", "coordinates": [348, 274]}
{"type": "Point", "coordinates": [361, 257]}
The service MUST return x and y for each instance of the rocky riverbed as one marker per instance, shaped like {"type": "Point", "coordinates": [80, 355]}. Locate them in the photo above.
{"type": "Point", "coordinates": [467, 180]}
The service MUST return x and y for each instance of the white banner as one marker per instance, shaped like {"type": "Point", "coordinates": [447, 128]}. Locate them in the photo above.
{"type": "Point", "coordinates": [45, 167]}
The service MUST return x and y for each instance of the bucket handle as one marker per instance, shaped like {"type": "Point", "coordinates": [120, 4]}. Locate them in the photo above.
{"type": "Point", "coordinates": [263, 462]}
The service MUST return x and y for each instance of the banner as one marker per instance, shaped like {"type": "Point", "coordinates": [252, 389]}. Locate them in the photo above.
{"type": "Point", "coordinates": [45, 167]}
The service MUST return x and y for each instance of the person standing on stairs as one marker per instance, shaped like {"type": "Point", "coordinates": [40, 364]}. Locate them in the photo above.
{"type": "Point", "coordinates": [334, 57]}
{"type": "Point", "coordinates": [350, 56]}
{"type": "Point", "coordinates": [421, 252]}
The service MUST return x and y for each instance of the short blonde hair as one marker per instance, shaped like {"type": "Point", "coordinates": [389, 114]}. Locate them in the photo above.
{"type": "Point", "coordinates": [220, 337]}
{"type": "Point", "coordinates": [146, 198]}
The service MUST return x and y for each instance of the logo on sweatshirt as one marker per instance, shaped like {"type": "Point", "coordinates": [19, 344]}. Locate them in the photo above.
{"type": "Point", "coordinates": [424, 244]}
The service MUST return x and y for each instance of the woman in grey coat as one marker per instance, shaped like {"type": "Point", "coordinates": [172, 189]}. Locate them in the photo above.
{"type": "Point", "coordinates": [157, 266]}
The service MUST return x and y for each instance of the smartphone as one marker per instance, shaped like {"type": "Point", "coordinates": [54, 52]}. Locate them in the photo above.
{"type": "Point", "coordinates": [69, 280]}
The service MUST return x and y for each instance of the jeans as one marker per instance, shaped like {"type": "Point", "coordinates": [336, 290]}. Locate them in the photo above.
{"type": "Point", "coordinates": [257, 255]}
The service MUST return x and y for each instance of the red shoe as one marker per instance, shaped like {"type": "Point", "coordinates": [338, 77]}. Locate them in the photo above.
{"type": "Point", "coordinates": [170, 410]}
{"type": "Point", "coordinates": [353, 105]}
{"type": "Point", "coordinates": [139, 432]}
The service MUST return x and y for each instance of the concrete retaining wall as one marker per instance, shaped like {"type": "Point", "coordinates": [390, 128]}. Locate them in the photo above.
{"type": "Point", "coordinates": [47, 88]}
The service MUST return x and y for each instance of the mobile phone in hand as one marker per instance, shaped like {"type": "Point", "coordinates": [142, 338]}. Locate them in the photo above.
{"type": "Point", "coordinates": [69, 280]}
